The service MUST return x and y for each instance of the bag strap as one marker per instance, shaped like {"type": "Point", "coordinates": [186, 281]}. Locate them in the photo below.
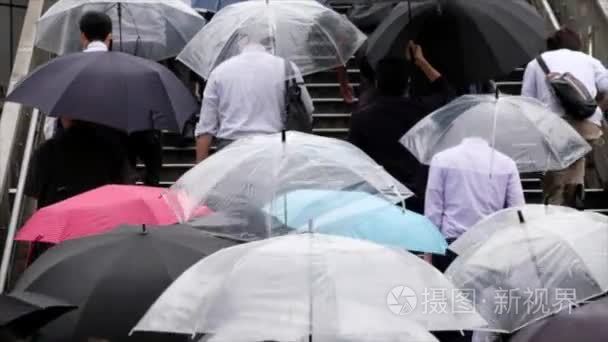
{"type": "Point", "coordinates": [543, 65]}
{"type": "Point", "coordinates": [288, 70]}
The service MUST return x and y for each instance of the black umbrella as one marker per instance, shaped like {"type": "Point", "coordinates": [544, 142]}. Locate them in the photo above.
{"type": "Point", "coordinates": [114, 278]}
{"type": "Point", "coordinates": [110, 88]}
{"type": "Point", "coordinates": [467, 40]}
{"type": "Point", "coordinates": [587, 323]}
{"type": "Point", "coordinates": [23, 313]}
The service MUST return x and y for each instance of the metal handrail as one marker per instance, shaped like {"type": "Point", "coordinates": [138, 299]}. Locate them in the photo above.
{"type": "Point", "coordinates": [17, 211]}
{"type": "Point", "coordinates": [548, 10]}
{"type": "Point", "coordinates": [13, 124]}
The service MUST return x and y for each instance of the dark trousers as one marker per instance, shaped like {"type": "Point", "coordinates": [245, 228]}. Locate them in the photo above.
{"type": "Point", "coordinates": [442, 262]}
{"type": "Point", "coordinates": [147, 146]}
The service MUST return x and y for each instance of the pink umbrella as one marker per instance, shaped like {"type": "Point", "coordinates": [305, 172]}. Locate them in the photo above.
{"type": "Point", "coordinates": [98, 211]}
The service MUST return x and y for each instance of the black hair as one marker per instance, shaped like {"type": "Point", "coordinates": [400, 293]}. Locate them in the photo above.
{"type": "Point", "coordinates": [96, 26]}
{"type": "Point", "coordinates": [565, 38]}
{"type": "Point", "coordinates": [392, 76]}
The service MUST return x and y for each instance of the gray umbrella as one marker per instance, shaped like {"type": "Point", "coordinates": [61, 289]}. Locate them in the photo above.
{"type": "Point", "coordinates": [25, 312]}
{"type": "Point", "coordinates": [587, 323]}
{"type": "Point", "coordinates": [467, 40]}
{"type": "Point", "coordinates": [114, 278]}
{"type": "Point", "coordinates": [109, 88]}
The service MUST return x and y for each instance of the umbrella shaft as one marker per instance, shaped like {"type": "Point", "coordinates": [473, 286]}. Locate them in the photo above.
{"type": "Point", "coordinates": [119, 9]}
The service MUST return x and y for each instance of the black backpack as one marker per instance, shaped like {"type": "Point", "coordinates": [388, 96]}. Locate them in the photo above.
{"type": "Point", "coordinates": [571, 93]}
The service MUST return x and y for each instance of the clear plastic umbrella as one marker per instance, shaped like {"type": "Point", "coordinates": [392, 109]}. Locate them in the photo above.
{"type": "Point", "coordinates": [312, 36]}
{"type": "Point", "coordinates": [290, 287]}
{"type": "Point", "coordinates": [531, 270]}
{"type": "Point", "coordinates": [256, 173]}
{"type": "Point", "coordinates": [153, 29]}
{"type": "Point", "coordinates": [484, 229]}
{"type": "Point", "coordinates": [519, 127]}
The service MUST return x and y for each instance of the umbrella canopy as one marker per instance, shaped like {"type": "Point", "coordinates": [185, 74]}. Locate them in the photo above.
{"type": "Point", "coordinates": [24, 312]}
{"type": "Point", "coordinates": [290, 287]}
{"type": "Point", "coordinates": [530, 270]}
{"type": "Point", "coordinates": [109, 88]}
{"type": "Point", "coordinates": [114, 278]}
{"type": "Point", "coordinates": [519, 127]}
{"type": "Point", "coordinates": [484, 229]}
{"type": "Point", "coordinates": [359, 215]}
{"type": "Point", "coordinates": [253, 173]}
{"type": "Point", "coordinates": [467, 40]}
{"type": "Point", "coordinates": [586, 323]}
{"type": "Point", "coordinates": [98, 211]}
{"type": "Point", "coordinates": [153, 29]}
{"type": "Point", "coordinates": [312, 36]}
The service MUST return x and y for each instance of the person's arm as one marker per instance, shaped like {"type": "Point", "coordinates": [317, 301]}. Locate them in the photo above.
{"type": "Point", "coordinates": [208, 122]}
{"type": "Point", "coordinates": [434, 198]}
{"type": "Point", "coordinates": [601, 76]}
{"type": "Point", "coordinates": [441, 91]}
{"type": "Point", "coordinates": [528, 88]}
{"type": "Point", "coordinates": [515, 191]}
{"type": "Point", "coordinates": [203, 145]}
{"type": "Point", "coordinates": [414, 52]}
{"type": "Point", "coordinates": [346, 90]}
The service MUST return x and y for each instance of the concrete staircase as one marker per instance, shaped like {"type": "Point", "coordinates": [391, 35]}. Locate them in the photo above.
{"type": "Point", "coordinates": [332, 118]}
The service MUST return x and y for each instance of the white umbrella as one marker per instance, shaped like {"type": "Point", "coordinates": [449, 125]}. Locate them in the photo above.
{"type": "Point", "coordinates": [531, 270]}
{"type": "Point", "coordinates": [519, 127]}
{"type": "Point", "coordinates": [290, 287]}
{"type": "Point", "coordinates": [484, 229]}
{"type": "Point", "coordinates": [153, 29]}
{"type": "Point", "coordinates": [257, 172]}
{"type": "Point", "coordinates": [312, 36]}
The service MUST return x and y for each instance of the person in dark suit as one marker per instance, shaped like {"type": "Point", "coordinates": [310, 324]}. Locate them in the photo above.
{"type": "Point", "coordinates": [85, 156]}
{"type": "Point", "coordinates": [377, 127]}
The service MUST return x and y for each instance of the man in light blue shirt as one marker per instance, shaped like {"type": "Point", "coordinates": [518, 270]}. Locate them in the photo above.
{"type": "Point", "coordinates": [466, 183]}
{"type": "Point", "coordinates": [244, 96]}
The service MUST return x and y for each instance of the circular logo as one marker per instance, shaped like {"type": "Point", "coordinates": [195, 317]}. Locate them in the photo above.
{"type": "Point", "coordinates": [401, 300]}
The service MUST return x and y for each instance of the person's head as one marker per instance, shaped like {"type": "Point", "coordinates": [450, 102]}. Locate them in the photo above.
{"type": "Point", "coordinates": [565, 38]}
{"type": "Point", "coordinates": [392, 76]}
{"type": "Point", "coordinates": [95, 26]}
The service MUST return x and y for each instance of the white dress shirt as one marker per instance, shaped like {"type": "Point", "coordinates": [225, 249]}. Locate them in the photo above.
{"type": "Point", "coordinates": [468, 182]}
{"type": "Point", "coordinates": [50, 123]}
{"type": "Point", "coordinates": [590, 71]}
{"type": "Point", "coordinates": [96, 46]}
{"type": "Point", "coordinates": [245, 96]}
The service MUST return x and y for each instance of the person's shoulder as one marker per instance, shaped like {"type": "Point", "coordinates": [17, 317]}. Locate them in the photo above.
{"type": "Point", "coordinates": [507, 163]}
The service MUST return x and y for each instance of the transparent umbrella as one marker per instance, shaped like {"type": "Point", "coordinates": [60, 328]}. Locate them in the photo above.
{"type": "Point", "coordinates": [153, 29]}
{"type": "Point", "coordinates": [484, 229]}
{"type": "Point", "coordinates": [531, 270]}
{"type": "Point", "coordinates": [288, 288]}
{"type": "Point", "coordinates": [256, 173]}
{"type": "Point", "coordinates": [312, 36]}
{"type": "Point", "coordinates": [519, 127]}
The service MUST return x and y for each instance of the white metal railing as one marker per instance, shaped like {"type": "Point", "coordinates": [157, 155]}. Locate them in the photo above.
{"type": "Point", "coordinates": [17, 131]}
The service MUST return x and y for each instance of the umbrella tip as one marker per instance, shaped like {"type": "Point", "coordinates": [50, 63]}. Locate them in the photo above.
{"type": "Point", "coordinates": [283, 136]}
{"type": "Point", "coordinates": [497, 93]}
{"type": "Point", "coordinates": [520, 214]}
{"type": "Point", "coordinates": [144, 230]}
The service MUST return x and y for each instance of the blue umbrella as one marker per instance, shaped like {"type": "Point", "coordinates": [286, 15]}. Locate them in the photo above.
{"type": "Point", "coordinates": [358, 215]}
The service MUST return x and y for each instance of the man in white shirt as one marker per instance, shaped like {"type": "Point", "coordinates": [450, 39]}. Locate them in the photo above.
{"type": "Point", "coordinates": [564, 56]}
{"type": "Point", "coordinates": [95, 35]}
{"type": "Point", "coordinates": [245, 95]}
{"type": "Point", "coordinates": [466, 183]}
